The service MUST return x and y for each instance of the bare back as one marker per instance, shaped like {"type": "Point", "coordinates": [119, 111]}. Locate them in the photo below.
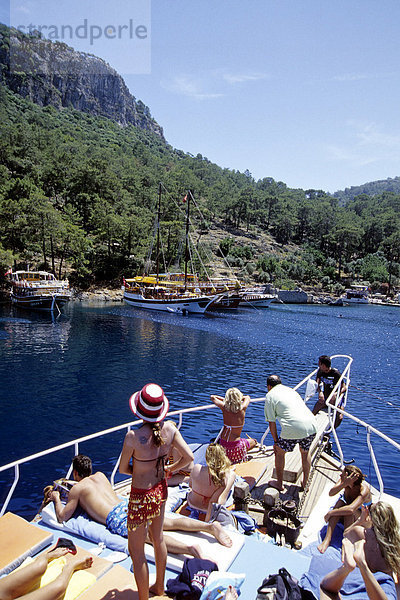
{"type": "Point", "coordinates": [233, 424]}
{"type": "Point", "coordinates": [202, 487]}
{"type": "Point", "coordinates": [148, 460]}
{"type": "Point", "coordinates": [96, 496]}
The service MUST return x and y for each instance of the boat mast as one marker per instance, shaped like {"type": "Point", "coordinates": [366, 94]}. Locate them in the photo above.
{"type": "Point", "coordinates": [188, 196]}
{"type": "Point", "coordinates": [158, 232]}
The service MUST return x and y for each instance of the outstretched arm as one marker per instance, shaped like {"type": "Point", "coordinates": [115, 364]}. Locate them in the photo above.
{"type": "Point", "coordinates": [245, 402]}
{"type": "Point", "coordinates": [218, 401]}
{"type": "Point", "coordinates": [65, 512]}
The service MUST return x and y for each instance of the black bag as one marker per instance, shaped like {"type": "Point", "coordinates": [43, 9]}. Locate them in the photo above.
{"type": "Point", "coordinates": [281, 586]}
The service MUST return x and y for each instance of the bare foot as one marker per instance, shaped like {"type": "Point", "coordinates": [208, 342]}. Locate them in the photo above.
{"type": "Point", "coordinates": [220, 535]}
{"type": "Point", "coordinates": [347, 554]}
{"type": "Point", "coordinates": [195, 550]}
{"type": "Point", "coordinates": [56, 553]}
{"type": "Point", "coordinates": [81, 563]}
{"type": "Point", "coordinates": [156, 591]}
{"type": "Point", "coordinates": [273, 483]}
{"type": "Point", "coordinates": [231, 593]}
{"type": "Point", "coordinates": [324, 545]}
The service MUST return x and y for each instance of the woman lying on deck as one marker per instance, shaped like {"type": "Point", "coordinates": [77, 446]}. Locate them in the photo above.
{"type": "Point", "coordinates": [212, 483]}
{"type": "Point", "coordinates": [372, 544]}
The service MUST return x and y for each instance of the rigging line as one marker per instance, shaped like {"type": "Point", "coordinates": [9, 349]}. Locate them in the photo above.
{"type": "Point", "coordinates": [201, 261]}
{"type": "Point", "coordinates": [374, 396]}
{"type": "Point", "coordinates": [162, 252]}
{"type": "Point", "coordinates": [192, 225]}
{"type": "Point", "coordinates": [150, 252]}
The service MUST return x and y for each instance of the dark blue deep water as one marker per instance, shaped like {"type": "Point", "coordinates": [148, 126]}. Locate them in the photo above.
{"type": "Point", "coordinates": [69, 377]}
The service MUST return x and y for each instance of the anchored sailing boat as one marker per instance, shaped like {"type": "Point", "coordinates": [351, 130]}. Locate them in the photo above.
{"type": "Point", "coordinates": [177, 292]}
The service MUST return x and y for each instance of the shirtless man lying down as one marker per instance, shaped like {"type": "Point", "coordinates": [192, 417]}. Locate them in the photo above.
{"type": "Point", "coordinates": [94, 493]}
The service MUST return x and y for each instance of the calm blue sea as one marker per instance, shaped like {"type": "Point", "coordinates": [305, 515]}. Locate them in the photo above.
{"type": "Point", "coordinates": [72, 376]}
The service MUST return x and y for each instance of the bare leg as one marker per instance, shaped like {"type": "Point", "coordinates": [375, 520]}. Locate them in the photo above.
{"type": "Point", "coordinates": [176, 547]}
{"type": "Point", "coordinates": [28, 578]}
{"type": "Point", "coordinates": [194, 525]}
{"type": "Point", "coordinates": [333, 521]}
{"type": "Point", "coordinates": [160, 551]}
{"type": "Point", "coordinates": [56, 589]}
{"type": "Point", "coordinates": [279, 467]}
{"type": "Point", "coordinates": [136, 540]}
{"type": "Point", "coordinates": [306, 464]}
{"type": "Point", "coordinates": [354, 533]}
{"type": "Point", "coordinates": [332, 583]}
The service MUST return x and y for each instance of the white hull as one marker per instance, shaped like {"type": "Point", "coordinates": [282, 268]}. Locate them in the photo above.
{"type": "Point", "coordinates": [256, 301]}
{"type": "Point", "coordinates": [354, 301]}
{"type": "Point", "coordinates": [196, 305]}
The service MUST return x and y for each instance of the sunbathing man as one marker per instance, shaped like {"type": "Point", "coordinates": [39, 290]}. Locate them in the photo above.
{"type": "Point", "coordinates": [347, 508]}
{"type": "Point", "coordinates": [233, 408]}
{"type": "Point", "coordinates": [24, 582]}
{"type": "Point", "coordinates": [94, 493]}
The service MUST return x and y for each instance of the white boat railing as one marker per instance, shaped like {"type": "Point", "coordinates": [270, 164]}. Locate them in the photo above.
{"type": "Point", "coordinates": [333, 409]}
{"type": "Point", "coordinates": [75, 443]}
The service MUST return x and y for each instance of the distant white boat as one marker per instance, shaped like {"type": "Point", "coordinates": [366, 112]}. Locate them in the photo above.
{"type": "Point", "coordinates": [255, 298]}
{"type": "Point", "coordinates": [38, 290]}
{"type": "Point", "coordinates": [357, 294]}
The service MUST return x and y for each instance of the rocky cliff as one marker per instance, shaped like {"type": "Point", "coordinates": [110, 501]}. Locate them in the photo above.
{"type": "Point", "coordinates": [52, 73]}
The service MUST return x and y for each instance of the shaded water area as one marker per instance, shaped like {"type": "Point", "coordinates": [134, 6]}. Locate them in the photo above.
{"type": "Point", "coordinates": [71, 376]}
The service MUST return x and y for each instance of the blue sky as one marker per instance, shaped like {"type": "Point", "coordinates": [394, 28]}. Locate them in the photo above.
{"type": "Point", "coordinates": [304, 91]}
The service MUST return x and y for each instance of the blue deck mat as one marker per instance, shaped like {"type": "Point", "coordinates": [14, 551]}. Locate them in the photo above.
{"type": "Point", "coordinates": [258, 560]}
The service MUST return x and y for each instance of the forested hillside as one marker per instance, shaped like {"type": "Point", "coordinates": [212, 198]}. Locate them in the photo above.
{"type": "Point", "coordinates": [371, 189]}
{"type": "Point", "coordinates": [78, 195]}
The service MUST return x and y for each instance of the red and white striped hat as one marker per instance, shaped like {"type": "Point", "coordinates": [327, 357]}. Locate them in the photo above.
{"type": "Point", "coordinates": [150, 403]}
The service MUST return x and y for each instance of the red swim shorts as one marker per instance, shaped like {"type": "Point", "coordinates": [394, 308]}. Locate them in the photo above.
{"type": "Point", "coordinates": [144, 505]}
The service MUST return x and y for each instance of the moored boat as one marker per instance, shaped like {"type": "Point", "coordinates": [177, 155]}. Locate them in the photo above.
{"type": "Point", "coordinates": [255, 298]}
{"type": "Point", "coordinates": [357, 294]}
{"type": "Point", "coordinates": [38, 290]}
{"type": "Point", "coordinates": [147, 292]}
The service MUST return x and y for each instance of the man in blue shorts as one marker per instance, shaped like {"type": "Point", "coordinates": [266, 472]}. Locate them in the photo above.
{"type": "Point", "coordinates": [95, 494]}
{"type": "Point", "coordinates": [298, 426]}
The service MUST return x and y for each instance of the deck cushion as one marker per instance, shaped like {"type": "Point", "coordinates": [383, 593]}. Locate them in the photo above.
{"type": "Point", "coordinates": [19, 539]}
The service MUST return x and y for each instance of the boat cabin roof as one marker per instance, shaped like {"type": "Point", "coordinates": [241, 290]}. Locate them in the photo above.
{"type": "Point", "coordinates": [32, 276]}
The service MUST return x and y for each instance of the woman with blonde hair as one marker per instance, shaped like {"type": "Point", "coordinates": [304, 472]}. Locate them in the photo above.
{"type": "Point", "coordinates": [144, 456]}
{"type": "Point", "coordinates": [211, 483]}
{"type": "Point", "coordinates": [233, 408]}
{"type": "Point", "coordinates": [372, 544]}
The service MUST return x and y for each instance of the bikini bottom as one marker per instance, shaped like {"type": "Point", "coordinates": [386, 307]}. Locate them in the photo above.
{"type": "Point", "coordinates": [236, 451]}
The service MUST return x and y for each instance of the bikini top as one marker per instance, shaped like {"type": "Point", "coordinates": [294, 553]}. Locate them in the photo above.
{"type": "Point", "coordinates": [229, 430]}
{"type": "Point", "coordinates": [160, 463]}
